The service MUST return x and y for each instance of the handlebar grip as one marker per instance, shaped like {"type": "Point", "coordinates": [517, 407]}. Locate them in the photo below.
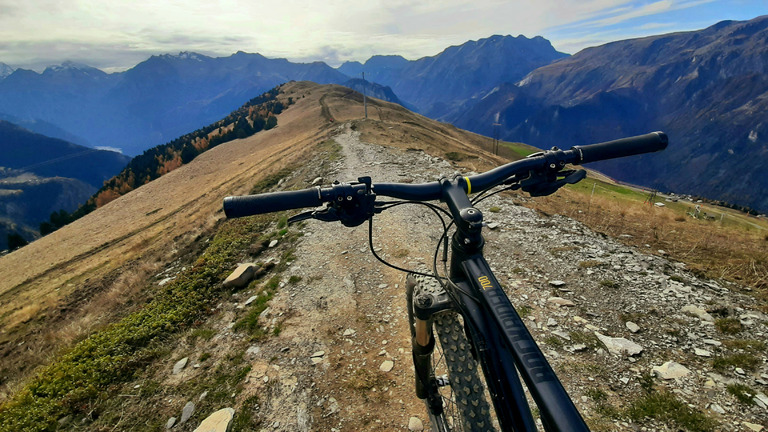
{"type": "Point", "coordinates": [647, 143]}
{"type": "Point", "coordinates": [247, 205]}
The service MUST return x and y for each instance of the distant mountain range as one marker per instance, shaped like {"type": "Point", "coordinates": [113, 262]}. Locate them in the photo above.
{"type": "Point", "coordinates": [156, 101]}
{"type": "Point", "coordinates": [438, 86]}
{"type": "Point", "coordinates": [40, 175]}
{"type": "Point", "coordinates": [707, 89]}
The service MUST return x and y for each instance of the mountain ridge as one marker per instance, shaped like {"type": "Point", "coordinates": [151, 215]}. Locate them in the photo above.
{"type": "Point", "coordinates": [705, 88]}
{"type": "Point", "coordinates": [438, 85]}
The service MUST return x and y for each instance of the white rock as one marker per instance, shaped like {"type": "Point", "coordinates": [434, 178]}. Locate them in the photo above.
{"type": "Point", "coordinates": [171, 421]}
{"type": "Point", "coordinates": [273, 243]}
{"type": "Point", "coordinates": [251, 300]}
{"type": "Point", "coordinates": [187, 412]}
{"type": "Point", "coordinates": [253, 351]}
{"type": "Point", "coordinates": [317, 181]}
{"type": "Point", "coordinates": [349, 332]}
{"type": "Point", "coordinates": [717, 408]}
{"type": "Point", "coordinates": [753, 426]}
{"type": "Point", "coordinates": [670, 370]}
{"type": "Point", "coordinates": [415, 424]}
{"type": "Point", "coordinates": [241, 276]}
{"type": "Point", "coordinates": [702, 352]}
{"type": "Point", "coordinates": [220, 421]}
{"type": "Point", "coordinates": [712, 342]}
{"type": "Point", "coordinates": [698, 312]}
{"type": "Point", "coordinates": [180, 365]}
{"type": "Point", "coordinates": [559, 301]}
{"type": "Point", "coordinates": [556, 283]}
{"type": "Point", "coordinates": [387, 366]}
{"type": "Point", "coordinates": [619, 346]}
{"type": "Point", "coordinates": [634, 328]}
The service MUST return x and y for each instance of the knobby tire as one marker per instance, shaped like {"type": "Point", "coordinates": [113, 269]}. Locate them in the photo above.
{"type": "Point", "coordinates": [465, 407]}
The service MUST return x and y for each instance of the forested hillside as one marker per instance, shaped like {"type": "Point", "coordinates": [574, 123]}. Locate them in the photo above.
{"type": "Point", "coordinates": [254, 116]}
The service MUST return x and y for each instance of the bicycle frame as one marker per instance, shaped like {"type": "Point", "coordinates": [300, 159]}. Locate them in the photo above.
{"type": "Point", "coordinates": [501, 342]}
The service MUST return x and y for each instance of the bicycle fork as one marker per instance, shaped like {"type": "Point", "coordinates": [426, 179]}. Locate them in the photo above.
{"type": "Point", "coordinates": [421, 306]}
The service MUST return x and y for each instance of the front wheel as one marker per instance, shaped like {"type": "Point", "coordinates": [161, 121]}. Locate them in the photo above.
{"type": "Point", "coordinates": [452, 374]}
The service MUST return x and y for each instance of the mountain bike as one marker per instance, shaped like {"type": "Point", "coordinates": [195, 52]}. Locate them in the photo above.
{"type": "Point", "coordinates": [461, 318]}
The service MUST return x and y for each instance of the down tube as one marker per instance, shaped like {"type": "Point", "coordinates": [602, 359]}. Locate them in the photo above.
{"type": "Point", "coordinates": [558, 413]}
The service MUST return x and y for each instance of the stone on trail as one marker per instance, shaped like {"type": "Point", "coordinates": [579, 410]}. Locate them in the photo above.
{"type": "Point", "coordinates": [634, 328]}
{"type": "Point", "coordinates": [698, 312]}
{"type": "Point", "coordinates": [220, 421]}
{"type": "Point", "coordinates": [180, 365]}
{"type": "Point", "coordinates": [415, 424]}
{"type": "Point", "coordinates": [619, 346]}
{"type": "Point", "coordinates": [170, 423]}
{"type": "Point", "coordinates": [670, 370]}
{"type": "Point", "coordinates": [273, 243]}
{"type": "Point", "coordinates": [187, 412]}
{"type": "Point", "coordinates": [387, 366]}
{"type": "Point", "coordinates": [241, 276]}
{"type": "Point", "coordinates": [559, 301]}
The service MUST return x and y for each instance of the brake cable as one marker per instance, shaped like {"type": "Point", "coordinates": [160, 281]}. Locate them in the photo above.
{"type": "Point", "coordinates": [388, 205]}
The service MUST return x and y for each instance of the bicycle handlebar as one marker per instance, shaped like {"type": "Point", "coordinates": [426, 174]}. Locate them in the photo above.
{"type": "Point", "coordinates": [553, 160]}
{"type": "Point", "coordinates": [647, 143]}
{"type": "Point", "coordinates": [247, 205]}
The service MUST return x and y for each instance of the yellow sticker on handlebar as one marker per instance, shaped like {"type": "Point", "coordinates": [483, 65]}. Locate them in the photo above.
{"type": "Point", "coordinates": [469, 185]}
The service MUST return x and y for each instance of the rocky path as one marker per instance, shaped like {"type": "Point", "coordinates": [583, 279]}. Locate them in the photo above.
{"type": "Point", "coordinates": [615, 323]}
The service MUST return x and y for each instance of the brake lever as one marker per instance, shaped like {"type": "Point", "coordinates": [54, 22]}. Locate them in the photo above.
{"type": "Point", "coordinates": [546, 184]}
{"type": "Point", "coordinates": [328, 214]}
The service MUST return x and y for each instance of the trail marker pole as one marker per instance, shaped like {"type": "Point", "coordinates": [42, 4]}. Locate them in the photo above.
{"type": "Point", "coordinates": [365, 101]}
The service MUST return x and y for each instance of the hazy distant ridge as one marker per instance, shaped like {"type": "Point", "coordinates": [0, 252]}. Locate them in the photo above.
{"type": "Point", "coordinates": [154, 102]}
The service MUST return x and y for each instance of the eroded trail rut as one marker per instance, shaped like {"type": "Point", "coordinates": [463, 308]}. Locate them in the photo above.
{"type": "Point", "coordinates": [342, 358]}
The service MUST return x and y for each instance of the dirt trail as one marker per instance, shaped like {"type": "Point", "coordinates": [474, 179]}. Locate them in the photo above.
{"type": "Point", "coordinates": [351, 307]}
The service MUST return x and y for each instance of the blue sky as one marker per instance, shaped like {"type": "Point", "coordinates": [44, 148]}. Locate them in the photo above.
{"type": "Point", "coordinates": [115, 35]}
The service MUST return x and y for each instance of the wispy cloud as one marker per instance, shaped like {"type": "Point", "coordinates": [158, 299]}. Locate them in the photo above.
{"type": "Point", "coordinates": [116, 34]}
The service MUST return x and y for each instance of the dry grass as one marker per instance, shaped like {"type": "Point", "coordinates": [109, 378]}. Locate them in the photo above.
{"type": "Point", "coordinates": [734, 251]}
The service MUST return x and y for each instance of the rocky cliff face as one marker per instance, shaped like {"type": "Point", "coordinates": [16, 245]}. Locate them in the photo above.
{"type": "Point", "coordinates": [707, 89]}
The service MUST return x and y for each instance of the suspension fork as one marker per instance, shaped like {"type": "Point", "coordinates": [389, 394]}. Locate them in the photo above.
{"type": "Point", "coordinates": [421, 307]}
